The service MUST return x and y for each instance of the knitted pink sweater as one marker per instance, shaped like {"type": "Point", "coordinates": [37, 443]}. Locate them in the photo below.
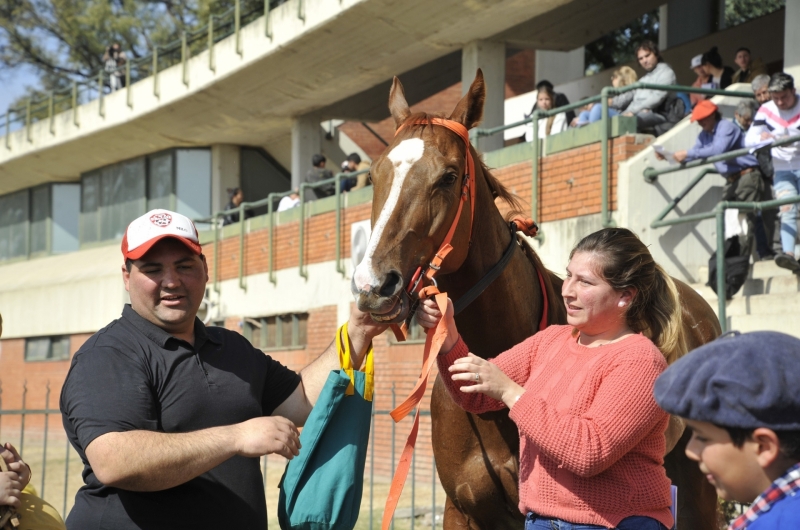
{"type": "Point", "coordinates": [591, 435]}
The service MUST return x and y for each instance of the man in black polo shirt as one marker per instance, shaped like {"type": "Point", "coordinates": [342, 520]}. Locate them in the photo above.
{"type": "Point", "coordinates": [170, 417]}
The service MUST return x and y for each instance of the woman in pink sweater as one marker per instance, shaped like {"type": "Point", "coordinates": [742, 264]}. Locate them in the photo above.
{"type": "Point", "coordinates": [591, 434]}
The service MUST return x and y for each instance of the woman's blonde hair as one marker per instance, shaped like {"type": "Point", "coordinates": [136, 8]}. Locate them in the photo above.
{"type": "Point", "coordinates": [626, 75]}
{"type": "Point", "coordinates": [625, 263]}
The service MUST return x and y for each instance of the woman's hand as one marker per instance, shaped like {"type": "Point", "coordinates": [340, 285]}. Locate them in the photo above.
{"type": "Point", "coordinates": [15, 464]}
{"type": "Point", "coordinates": [428, 316]}
{"type": "Point", "coordinates": [10, 489]}
{"type": "Point", "coordinates": [487, 378]}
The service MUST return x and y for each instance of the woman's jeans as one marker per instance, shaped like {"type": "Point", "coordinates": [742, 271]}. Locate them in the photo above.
{"type": "Point", "coordinates": [637, 522]}
{"type": "Point", "coordinates": [787, 184]}
{"type": "Point", "coordinates": [595, 114]}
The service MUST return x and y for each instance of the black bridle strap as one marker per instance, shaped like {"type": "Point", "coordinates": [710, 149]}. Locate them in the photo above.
{"type": "Point", "coordinates": [489, 277]}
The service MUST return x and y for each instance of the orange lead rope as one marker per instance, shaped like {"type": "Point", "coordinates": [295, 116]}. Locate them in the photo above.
{"type": "Point", "coordinates": [435, 337]}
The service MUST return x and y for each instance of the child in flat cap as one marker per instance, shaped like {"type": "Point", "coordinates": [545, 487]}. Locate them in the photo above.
{"type": "Point", "coordinates": [745, 421]}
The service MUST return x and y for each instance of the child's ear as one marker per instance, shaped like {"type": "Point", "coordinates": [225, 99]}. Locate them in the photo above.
{"type": "Point", "coordinates": [768, 447]}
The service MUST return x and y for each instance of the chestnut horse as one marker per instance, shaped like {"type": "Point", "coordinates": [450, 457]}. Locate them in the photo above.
{"type": "Point", "coordinates": [417, 184]}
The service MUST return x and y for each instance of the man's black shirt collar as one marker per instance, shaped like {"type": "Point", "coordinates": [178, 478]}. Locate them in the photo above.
{"type": "Point", "coordinates": [162, 337]}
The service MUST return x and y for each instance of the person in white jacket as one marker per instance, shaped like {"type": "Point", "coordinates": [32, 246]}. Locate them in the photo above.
{"type": "Point", "coordinates": [775, 120]}
{"type": "Point", "coordinates": [644, 101]}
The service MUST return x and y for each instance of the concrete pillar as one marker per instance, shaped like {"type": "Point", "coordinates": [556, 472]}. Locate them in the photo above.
{"type": "Point", "coordinates": [306, 143]}
{"type": "Point", "coordinates": [490, 57]}
{"type": "Point", "coordinates": [663, 27]}
{"type": "Point", "coordinates": [791, 41]}
{"type": "Point", "coordinates": [225, 173]}
{"type": "Point", "coordinates": [560, 67]}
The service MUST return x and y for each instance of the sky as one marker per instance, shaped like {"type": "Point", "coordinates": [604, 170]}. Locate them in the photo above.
{"type": "Point", "coordinates": [13, 85]}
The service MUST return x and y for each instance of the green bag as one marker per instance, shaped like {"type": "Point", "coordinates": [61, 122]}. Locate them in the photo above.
{"type": "Point", "coordinates": [322, 486]}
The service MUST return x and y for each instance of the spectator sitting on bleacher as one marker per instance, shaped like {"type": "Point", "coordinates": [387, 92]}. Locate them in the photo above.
{"type": "Point", "coordinates": [721, 76]}
{"type": "Point", "coordinates": [545, 100]}
{"type": "Point", "coordinates": [760, 87]}
{"type": "Point", "coordinates": [776, 120]}
{"type": "Point", "coordinates": [645, 101]}
{"type": "Point", "coordinates": [749, 68]}
{"type": "Point", "coordinates": [744, 180]}
{"type": "Point", "coordinates": [622, 77]}
{"type": "Point", "coordinates": [745, 113]}
{"type": "Point", "coordinates": [289, 202]}
{"type": "Point", "coordinates": [353, 164]}
{"type": "Point", "coordinates": [235, 198]}
{"type": "Point", "coordinates": [702, 79]}
{"type": "Point", "coordinates": [316, 174]}
{"type": "Point", "coordinates": [560, 99]}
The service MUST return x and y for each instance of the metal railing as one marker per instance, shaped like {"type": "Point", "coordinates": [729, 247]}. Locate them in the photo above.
{"type": "Point", "coordinates": [134, 70]}
{"type": "Point", "coordinates": [43, 468]}
{"type": "Point", "coordinates": [651, 174]}
{"type": "Point", "coordinates": [605, 94]}
{"type": "Point", "coordinates": [269, 202]}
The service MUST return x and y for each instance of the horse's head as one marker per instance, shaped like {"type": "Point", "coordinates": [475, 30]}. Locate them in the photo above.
{"type": "Point", "coordinates": [417, 184]}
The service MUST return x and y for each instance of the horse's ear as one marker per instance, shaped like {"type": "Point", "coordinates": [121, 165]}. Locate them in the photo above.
{"type": "Point", "coordinates": [469, 110]}
{"type": "Point", "coordinates": [398, 105]}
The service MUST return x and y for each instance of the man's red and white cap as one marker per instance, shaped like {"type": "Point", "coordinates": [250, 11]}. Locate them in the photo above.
{"type": "Point", "coordinates": [155, 225]}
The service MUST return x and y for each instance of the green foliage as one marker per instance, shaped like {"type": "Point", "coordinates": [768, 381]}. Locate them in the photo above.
{"type": "Point", "coordinates": [618, 47]}
{"type": "Point", "coordinates": [64, 40]}
{"type": "Point", "coordinates": [738, 11]}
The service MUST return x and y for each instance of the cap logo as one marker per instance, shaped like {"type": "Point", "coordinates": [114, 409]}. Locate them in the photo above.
{"type": "Point", "coordinates": [161, 220]}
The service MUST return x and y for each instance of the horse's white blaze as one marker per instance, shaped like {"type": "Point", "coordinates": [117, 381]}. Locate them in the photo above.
{"type": "Point", "coordinates": [405, 155]}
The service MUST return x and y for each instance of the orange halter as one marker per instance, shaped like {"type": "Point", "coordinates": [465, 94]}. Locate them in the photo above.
{"type": "Point", "coordinates": [467, 189]}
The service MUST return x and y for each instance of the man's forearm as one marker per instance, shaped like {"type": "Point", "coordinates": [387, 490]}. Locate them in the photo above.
{"type": "Point", "coordinates": [154, 461]}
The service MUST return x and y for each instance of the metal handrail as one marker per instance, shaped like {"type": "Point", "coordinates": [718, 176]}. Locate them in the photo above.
{"type": "Point", "coordinates": [180, 47]}
{"type": "Point", "coordinates": [650, 173]}
{"type": "Point", "coordinates": [269, 201]}
{"type": "Point", "coordinates": [605, 93]}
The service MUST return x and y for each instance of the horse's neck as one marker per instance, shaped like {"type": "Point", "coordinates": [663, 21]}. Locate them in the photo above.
{"type": "Point", "coordinates": [509, 309]}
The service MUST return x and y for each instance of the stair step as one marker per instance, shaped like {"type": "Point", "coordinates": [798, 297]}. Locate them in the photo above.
{"type": "Point", "coordinates": [760, 269]}
{"type": "Point", "coordinates": [785, 324]}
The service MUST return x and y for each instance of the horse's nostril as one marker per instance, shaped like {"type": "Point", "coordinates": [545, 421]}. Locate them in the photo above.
{"type": "Point", "coordinates": [391, 285]}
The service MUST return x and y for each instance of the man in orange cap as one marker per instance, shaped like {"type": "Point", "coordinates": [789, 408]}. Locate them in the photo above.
{"type": "Point", "coordinates": [169, 416]}
{"type": "Point", "coordinates": [744, 180]}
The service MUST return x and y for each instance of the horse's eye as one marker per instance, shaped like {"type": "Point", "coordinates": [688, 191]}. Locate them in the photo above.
{"type": "Point", "coordinates": [449, 179]}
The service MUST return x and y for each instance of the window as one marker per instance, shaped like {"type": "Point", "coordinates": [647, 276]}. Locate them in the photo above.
{"type": "Point", "coordinates": [277, 332]}
{"type": "Point", "coordinates": [14, 225]}
{"type": "Point", "coordinates": [47, 349]}
{"type": "Point", "coordinates": [40, 215]}
{"type": "Point", "coordinates": [160, 182]}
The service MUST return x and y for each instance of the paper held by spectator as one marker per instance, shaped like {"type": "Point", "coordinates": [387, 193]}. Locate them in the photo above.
{"type": "Point", "coordinates": [669, 155]}
{"type": "Point", "coordinates": [761, 144]}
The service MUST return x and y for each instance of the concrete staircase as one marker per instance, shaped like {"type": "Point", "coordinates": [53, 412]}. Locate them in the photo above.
{"type": "Point", "coordinates": [769, 300]}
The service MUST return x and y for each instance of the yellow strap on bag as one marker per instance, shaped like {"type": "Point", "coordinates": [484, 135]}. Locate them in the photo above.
{"type": "Point", "coordinates": [346, 362]}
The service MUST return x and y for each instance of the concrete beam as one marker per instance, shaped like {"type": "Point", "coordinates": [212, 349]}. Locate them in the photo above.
{"type": "Point", "coordinates": [490, 57]}
{"type": "Point", "coordinates": [568, 26]}
{"type": "Point", "coordinates": [306, 142]}
{"type": "Point", "coordinates": [560, 67]}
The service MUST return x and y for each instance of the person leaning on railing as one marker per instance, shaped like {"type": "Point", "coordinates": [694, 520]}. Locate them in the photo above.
{"type": "Point", "coordinates": [744, 180]}
{"type": "Point", "coordinates": [775, 120]}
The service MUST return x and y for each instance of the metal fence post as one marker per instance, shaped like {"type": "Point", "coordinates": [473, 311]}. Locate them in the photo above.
{"type": "Point", "coordinates": [242, 284]}
{"type": "Point", "coordinates": [535, 167]}
{"type": "Point", "coordinates": [433, 492]}
{"type": "Point", "coordinates": [605, 207]}
{"type": "Point", "coordinates": [51, 111]}
{"type": "Point", "coordinates": [66, 482]}
{"type": "Point", "coordinates": [215, 279]}
{"type": "Point", "coordinates": [338, 184]}
{"type": "Point", "coordinates": [302, 229]}
{"type": "Point", "coordinates": [372, 461]}
{"type": "Point", "coordinates": [301, 10]}
{"type": "Point", "coordinates": [723, 319]}
{"type": "Point", "coordinates": [23, 413]}
{"type": "Point", "coordinates": [394, 396]}
{"type": "Point", "coordinates": [211, 65]}
{"type": "Point", "coordinates": [155, 71]}
{"type": "Point", "coordinates": [237, 22]}
{"type": "Point", "coordinates": [44, 448]}
{"type": "Point", "coordinates": [75, 120]}
{"type": "Point", "coordinates": [271, 216]}
{"type": "Point", "coordinates": [267, 29]}
{"type": "Point", "coordinates": [184, 59]}
{"type": "Point", "coordinates": [128, 84]}
{"type": "Point", "coordinates": [28, 120]}
{"type": "Point", "coordinates": [100, 109]}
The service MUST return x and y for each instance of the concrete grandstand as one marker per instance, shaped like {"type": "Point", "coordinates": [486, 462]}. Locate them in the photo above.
{"type": "Point", "coordinates": [251, 111]}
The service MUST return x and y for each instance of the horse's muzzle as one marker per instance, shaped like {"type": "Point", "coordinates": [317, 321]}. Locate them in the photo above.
{"type": "Point", "coordinates": [388, 304]}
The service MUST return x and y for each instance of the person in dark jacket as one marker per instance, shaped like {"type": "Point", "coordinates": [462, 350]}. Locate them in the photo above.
{"type": "Point", "coordinates": [721, 76]}
{"type": "Point", "coordinates": [316, 174]}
